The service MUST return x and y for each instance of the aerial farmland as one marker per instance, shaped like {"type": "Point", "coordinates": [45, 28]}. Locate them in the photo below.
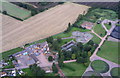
{"type": "Point", "coordinates": [59, 39]}
{"type": "Point", "coordinates": [14, 11]}
{"type": "Point", "coordinates": [45, 24]}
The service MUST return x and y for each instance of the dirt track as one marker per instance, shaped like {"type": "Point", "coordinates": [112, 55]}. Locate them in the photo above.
{"type": "Point", "coordinates": [53, 21]}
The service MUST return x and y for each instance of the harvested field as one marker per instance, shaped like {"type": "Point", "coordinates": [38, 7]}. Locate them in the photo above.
{"type": "Point", "coordinates": [53, 21]}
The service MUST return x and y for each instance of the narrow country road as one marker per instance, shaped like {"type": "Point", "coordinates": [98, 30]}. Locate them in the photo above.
{"type": "Point", "coordinates": [96, 34]}
{"type": "Point", "coordinates": [60, 71]}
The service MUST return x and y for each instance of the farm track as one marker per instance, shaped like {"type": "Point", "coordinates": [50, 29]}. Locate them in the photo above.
{"type": "Point", "coordinates": [53, 21]}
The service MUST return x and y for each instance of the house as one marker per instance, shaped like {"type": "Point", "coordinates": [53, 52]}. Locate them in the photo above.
{"type": "Point", "coordinates": [68, 45]}
{"type": "Point", "coordinates": [87, 25]}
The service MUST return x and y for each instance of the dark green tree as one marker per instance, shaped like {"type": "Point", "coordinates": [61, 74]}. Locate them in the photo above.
{"type": "Point", "coordinates": [54, 68]}
{"type": "Point", "coordinates": [59, 40]}
{"type": "Point", "coordinates": [50, 58]}
{"type": "Point", "coordinates": [50, 39]}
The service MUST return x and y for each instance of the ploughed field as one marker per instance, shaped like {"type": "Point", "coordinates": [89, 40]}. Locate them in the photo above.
{"type": "Point", "coordinates": [53, 21]}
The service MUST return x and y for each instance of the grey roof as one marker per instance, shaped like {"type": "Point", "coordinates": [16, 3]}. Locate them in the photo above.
{"type": "Point", "coordinates": [68, 45]}
{"type": "Point", "coordinates": [34, 57]}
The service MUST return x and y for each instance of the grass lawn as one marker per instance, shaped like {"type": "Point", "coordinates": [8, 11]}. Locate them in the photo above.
{"type": "Point", "coordinates": [108, 26]}
{"type": "Point", "coordinates": [28, 72]}
{"type": "Point", "coordinates": [96, 39]}
{"type": "Point", "coordinates": [10, 65]}
{"type": "Point", "coordinates": [100, 66]}
{"type": "Point", "coordinates": [68, 34]}
{"type": "Point", "coordinates": [99, 30]}
{"type": "Point", "coordinates": [12, 51]}
{"type": "Point", "coordinates": [14, 10]}
{"type": "Point", "coordinates": [109, 51]}
{"type": "Point", "coordinates": [73, 69]}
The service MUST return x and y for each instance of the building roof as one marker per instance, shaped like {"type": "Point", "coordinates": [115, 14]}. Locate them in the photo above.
{"type": "Point", "coordinates": [87, 24]}
{"type": "Point", "coordinates": [68, 45]}
{"type": "Point", "coordinates": [34, 57]}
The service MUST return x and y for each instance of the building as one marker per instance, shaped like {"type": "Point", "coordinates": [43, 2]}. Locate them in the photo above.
{"type": "Point", "coordinates": [68, 45]}
{"type": "Point", "coordinates": [116, 33]}
{"type": "Point", "coordinates": [34, 54]}
{"type": "Point", "coordinates": [82, 37]}
{"type": "Point", "coordinates": [34, 58]}
{"type": "Point", "coordinates": [87, 25]}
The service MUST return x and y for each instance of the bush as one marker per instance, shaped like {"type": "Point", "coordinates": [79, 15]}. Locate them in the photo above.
{"type": "Point", "coordinates": [50, 58]}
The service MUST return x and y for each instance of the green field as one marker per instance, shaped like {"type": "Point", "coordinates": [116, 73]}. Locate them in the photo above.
{"type": "Point", "coordinates": [108, 26]}
{"type": "Point", "coordinates": [99, 30]}
{"type": "Point", "coordinates": [96, 39]}
{"type": "Point", "coordinates": [73, 69]}
{"type": "Point", "coordinates": [27, 72]}
{"type": "Point", "coordinates": [109, 51]}
{"type": "Point", "coordinates": [10, 52]}
{"type": "Point", "coordinates": [100, 66]}
{"type": "Point", "coordinates": [14, 10]}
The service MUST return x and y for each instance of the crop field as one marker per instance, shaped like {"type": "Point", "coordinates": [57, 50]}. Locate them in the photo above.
{"type": "Point", "coordinates": [14, 10]}
{"type": "Point", "coordinates": [53, 21]}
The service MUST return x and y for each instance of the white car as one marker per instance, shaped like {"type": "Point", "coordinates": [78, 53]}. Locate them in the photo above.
{"type": "Point", "coordinates": [14, 73]}
{"type": "Point", "coordinates": [20, 72]}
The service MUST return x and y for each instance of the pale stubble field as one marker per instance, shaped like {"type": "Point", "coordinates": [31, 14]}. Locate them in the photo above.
{"type": "Point", "coordinates": [53, 21]}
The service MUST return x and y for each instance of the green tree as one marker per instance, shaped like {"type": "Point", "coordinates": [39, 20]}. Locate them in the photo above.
{"type": "Point", "coordinates": [84, 54]}
{"type": "Point", "coordinates": [87, 48]}
{"type": "Point", "coordinates": [50, 58]}
{"type": "Point", "coordinates": [54, 68]}
{"type": "Point", "coordinates": [73, 56]}
{"type": "Point", "coordinates": [50, 39]}
{"type": "Point", "coordinates": [60, 59]}
{"type": "Point", "coordinates": [4, 12]}
{"type": "Point", "coordinates": [91, 42]}
{"type": "Point", "coordinates": [36, 70]}
{"type": "Point", "coordinates": [80, 46]}
{"type": "Point", "coordinates": [59, 40]}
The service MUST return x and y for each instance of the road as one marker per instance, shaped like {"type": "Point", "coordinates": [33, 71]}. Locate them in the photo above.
{"type": "Point", "coordinates": [95, 57]}
{"type": "Point", "coordinates": [60, 71]}
{"type": "Point", "coordinates": [104, 38]}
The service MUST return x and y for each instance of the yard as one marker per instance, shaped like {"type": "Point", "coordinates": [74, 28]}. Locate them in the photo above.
{"type": "Point", "coordinates": [73, 69]}
{"type": "Point", "coordinates": [109, 51]}
{"type": "Point", "coordinates": [99, 30]}
{"type": "Point", "coordinates": [14, 10]}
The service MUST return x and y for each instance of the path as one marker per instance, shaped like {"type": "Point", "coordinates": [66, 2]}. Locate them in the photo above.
{"type": "Point", "coordinates": [60, 71]}
{"type": "Point", "coordinates": [95, 57]}
{"type": "Point", "coordinates": [69, 61]}
{"type": "Point", "coordinates": [96, 34]}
